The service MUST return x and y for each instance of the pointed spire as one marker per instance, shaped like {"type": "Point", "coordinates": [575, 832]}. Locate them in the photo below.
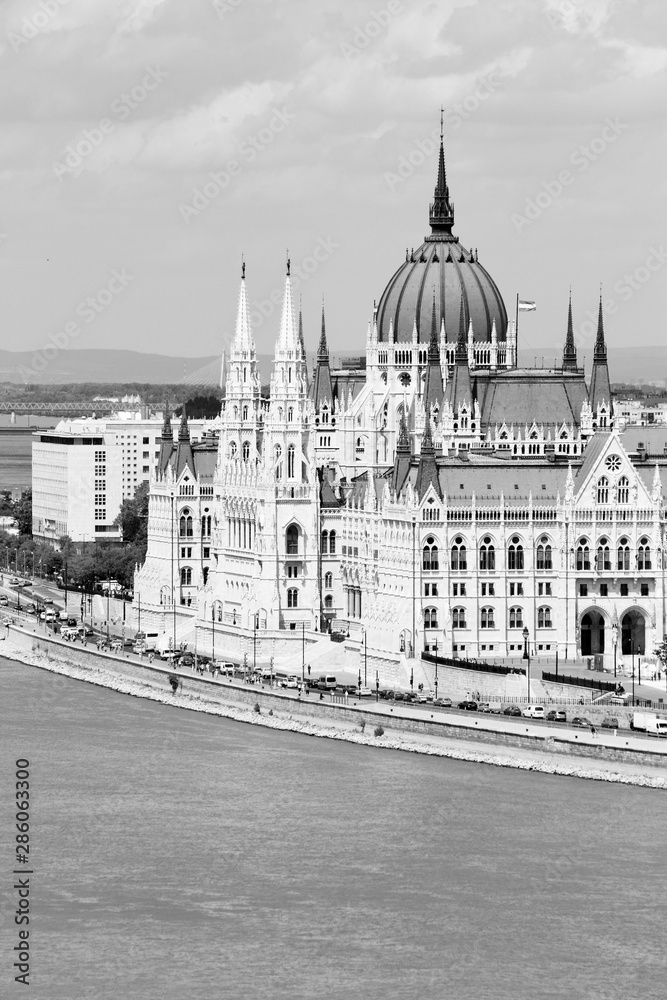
{"type": "Point", "coordinates": [441, 213]}
{"type": "Point", "coordinates": [323, 350]}
{"type": "Point", "coordinates": [288, 338]}
{"type": "Point", "coordinates": [243, 340]}
{"type": "Point", "coordinates": [461, 345]}
{"type": "Point", "coordinates": [167, 432]}
{"type": "Point", "coordinates": [427, 472]}
{"type": "Point", "coordinates": [459, 387]}
{"type": "Point", "coordinates": [600, 352]}
{"type": "Point", "coordinates": [433, 387]}
{"type": "Point", "coordinates": [322, 389]}
{"type": "Point", "coordinates": [403, 457]}
{"type": "Point", "coordinates": [302, 343]}
{"type": "Point", "coordinates": [570, 352]}
{"type": "Point", "coordinates": [403, 436]}
{"type": "Point", "coordinates": [184, 430]}
{"type": "Point", "coordinates": [600, 390]}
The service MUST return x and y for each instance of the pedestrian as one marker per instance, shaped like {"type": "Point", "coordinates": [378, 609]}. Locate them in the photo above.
{"type": "Point", "coordinates": [592, 730]}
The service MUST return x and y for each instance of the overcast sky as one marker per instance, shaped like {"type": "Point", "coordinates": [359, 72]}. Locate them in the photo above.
{"type": "Point", "coordinates": [148, 144]}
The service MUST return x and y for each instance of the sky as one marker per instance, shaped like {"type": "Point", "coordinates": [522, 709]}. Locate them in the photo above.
{"type": "Point", "coordinates": [148, 145]}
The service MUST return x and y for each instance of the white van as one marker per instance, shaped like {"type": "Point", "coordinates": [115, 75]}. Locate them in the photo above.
{"type": "Point", "coordinates": [533, 712]}
{"type": "Point", "coordinates": [327, 682]}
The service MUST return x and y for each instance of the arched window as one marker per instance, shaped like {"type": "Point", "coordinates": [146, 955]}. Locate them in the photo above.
{"type": "Point", "coordinates": [332, 543]}
{"type": "Point", "coordinates": [487, 554]}
{"type": "Point", "coordinates": [290, 462]}
{"type": "Point", "coordinates": [459, 618]}
{"type": "Point", "coordinates": [583, 554]}
{"type": "Point", "coordinates": [516, 617]}
{"type": "Point", "coordinates": [292, 597]}
{"type": "Point", "coordinates": [325, 414]}
{"type": "Point", "coordinates": [623, 490]}
{"type": "Point", "coordinates": [544, 554]}
{"type": "Point", "coordinates": [185, 524]}
{"type": "Point", "coordinates": [603, 560]}
{"type": "Point", "coordinates": [515, 553]}
{"type": "Point", "coordinates": [245, 451]}
{"type": "Point", "coordinates": [328, 580]}
{"type": "Point", "coordinates": [430, 554]}
{"type": "Point", "coordinates": [544, 618]}
{"type": "Point", "coordinates": [232, 449]}
{"type": "Point", "coordinates": [486, 618]}
{"type": "Point", "coordinates": [205, 575]}
{"type": "Point", "coordinates": [623, 554]}
{"type": "Point", "coordinates": [325, 543]}
{"type": "Point", "coordinates": [290, 414]}
{"type": "Point", "coordinates": [644, 554]}
{"type": "Point", "coordinates": [186, 576]}
{"type": "Point", "coordinates": [206, 525]}
{"type": "Point", "coordinates": [292, 540]}
{"type": "Point", "coordinates": [430, 617]}
{"type": "Point", "coordinates": [458, 554]}
{"type": "Point", "coordinates": [245, 408]}
{"type": "Point", "coordinates": [603, 490]}
{"type": "Point", "coordinates": [328, 602]}
{"type": "Point", "coordinates": [278, 462]}
{"type": "Point", "coordinates": [216, 611]}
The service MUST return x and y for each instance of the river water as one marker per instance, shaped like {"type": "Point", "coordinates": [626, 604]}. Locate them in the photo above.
{"type": "Point", "coordinates": [178, 855]}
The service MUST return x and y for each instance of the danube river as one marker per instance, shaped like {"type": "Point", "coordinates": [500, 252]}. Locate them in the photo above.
{"type": "Point", "coordinates": [178, 855]}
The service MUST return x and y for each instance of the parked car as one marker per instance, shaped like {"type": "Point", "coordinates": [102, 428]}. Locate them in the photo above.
{"type": "Point", "coordinates": [398, 696]}
{"type": "Point", "coordinates": [4, 600]}
{"type": "Point", "coordinates": [556, 715]}
{"type": "Point", "coordinates": [533, 712]}
{"type": "Point", "coordinates": [14, 582]}
{"type": "Point", "coordinates": [47, 600]}
{"type": "Point", "coordinates": [582, 722]}
{"type": "Point", "coordinates": [365, 691]}
{"type": "Point", "coordinates": [410, 696]}
{"type": "Point", "coordinates": [186, 660]}
{"type": "Point", "coordinates": [468, 706]}
{"type": "Point", "coordinates": [442, 702]}
{"type": "Point", "coordinates": [609, 722]}
{"type": "Point", "coordinates": [512, 710]}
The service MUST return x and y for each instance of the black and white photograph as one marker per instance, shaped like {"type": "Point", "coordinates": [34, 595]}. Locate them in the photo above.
{"type": "Point", "coordinates": [333, 499]}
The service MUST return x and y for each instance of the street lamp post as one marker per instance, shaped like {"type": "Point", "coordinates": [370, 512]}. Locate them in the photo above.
{"type": "Point", "coordinates": [632, 652]}
{"type": "Point", "coordinates": [436, 666]}
{"type": "Point", "coordinates": [254, 648]}
{"type": "Point", "coordinates": [303, 654]}
{"type": "Point", "coordinates": [614, 640]}
{"type": "Point", "coordinates": [365, 658]}
{"type": "Point", "coordinates": [377, 685]}
{"type": "Point", "coordinates": [526, 657]}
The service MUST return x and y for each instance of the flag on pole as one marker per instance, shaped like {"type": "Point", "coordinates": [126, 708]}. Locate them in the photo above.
{"type": "Point", "coordinates": [527, 306]}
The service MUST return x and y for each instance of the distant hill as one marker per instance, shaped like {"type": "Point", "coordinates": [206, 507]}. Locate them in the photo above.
{"type": "Point", "coordinates": [627, 364]}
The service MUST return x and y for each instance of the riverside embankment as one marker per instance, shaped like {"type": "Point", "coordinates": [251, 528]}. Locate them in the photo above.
{"type": "Point", "coordinates": [491, 740]}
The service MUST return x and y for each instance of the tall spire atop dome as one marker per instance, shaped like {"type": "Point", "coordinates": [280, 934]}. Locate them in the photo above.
{"type": "Point", "coordinates": [570, 352]}
{"type": "Point", "coordinates": [441, 212]}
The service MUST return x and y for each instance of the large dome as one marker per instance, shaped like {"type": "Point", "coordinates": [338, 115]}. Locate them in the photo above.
{"type": "Point", "coordinates": [441, 266]}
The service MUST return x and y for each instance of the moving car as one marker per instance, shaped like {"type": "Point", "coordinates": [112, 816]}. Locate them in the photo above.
{"type": "Point", "coordinates": [609, 722]}
{"type": "Point", "coordinates": [582, 722]}
{"type": "Point", "coordinates": [556, 715]}
{"type": "Point", "coordinates": [468, 706]}
{"type": "Point", "coordinates": [512, 710]}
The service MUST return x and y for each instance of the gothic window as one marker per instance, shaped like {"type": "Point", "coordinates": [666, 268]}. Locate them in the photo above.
{"type": "Point", "coordinates": [278, 462]}
{"type": "Point", "coordinates": [246, 451]}
{"type": "Point", "coordinates": [486, 618]}
{"type": "Point", "coordinates": [516, 617]}
{"type": "Point", "coordinates": [613, 463]}
{"type": "Point", "coordinates": [644, 554]}
{"type": "Point", "coordinates": [544, 554]}
{"type": "Point", "coordinates": [328, 602]}
{"type": "Point", "coordinates": [290, 462]}
{"type": "Point", "coordinates": [603, 557]}
{"type": "Point", "coordinates": [515, 553]}
{"type": "Point", "coordinates": [325, 414]}
{"type": "Point", "coordinates": [430, 554]}
{"type": "Point", "coordinates": [430, 618]}
{"type": "Point", "coordinates": [292, 540]}
{"type": "Point", "coordinates": [544, 618]}
{"type": "Point", "coordinates": [245, 412]}
{"type": "Point", "coordinates": [292, 597]}
{"type": "Point", "coordinates": [328, 580]}
{"type": "Point", "coordinates": [623, 490]}
{"type": "Point", "coordinates": [290, 414]}
{"type": "Point", "coordinates": [458, 558]}
{"type": "Point", "coordinates": [185, 524]}
{"type": "Point", "coordinates": [332, 543]}
{"type": "Point", "coordinates": [186, 576]}
{"type": "Point", "coordinates": [206, 525]}
{"type": "Point", "coordinates": [583, 554]}
{"type": "Point", "coordinates": [487, 554]}
{"type": "Point", "coordinates": [205, 575]}
{"type": "Point", "coordinates": [325, 542]}
{"type": "Point", "coordinates": [459, 618]}
{"type": "Point", "coordinates": [623, 554]}
{"type": "Point", "coordinates": [232, 449]}
{"type": "Point", "coordinates": [603, 490]}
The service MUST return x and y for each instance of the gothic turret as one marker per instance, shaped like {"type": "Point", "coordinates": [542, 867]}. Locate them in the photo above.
{"type": "Point", "coordinates": [459, 388]}
{"type": "Point", "coordinates": [434, 389]}
{"type": "Point", "coordinates": [600, 390]}
{"type": "Point", "coordinates": [427, 473]}
{"type": "Point", "coordinates": [183, 448]}
{"type": "Point", "coordinates": [322, 392]}
{"type": "Point", "coordinates": [403, 457]}
{"type": "Point", "coordinates": [166, 440]}
{"type": "Point", "coordinates": [570, 351]}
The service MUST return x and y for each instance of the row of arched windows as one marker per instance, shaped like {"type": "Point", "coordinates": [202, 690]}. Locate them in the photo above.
{"type": "Point", "coordinates": [487, 618]}
{"type": "Point", "coordinates": [278, 461]}
{"type": "Point", "coordinates": [458, 554]}
{"type": "Point", "coordinates": [603, 559]}
{"type": "Point", "coordinates": [328, 543]}
{"type": "Point", "coordinates": [604, 491]}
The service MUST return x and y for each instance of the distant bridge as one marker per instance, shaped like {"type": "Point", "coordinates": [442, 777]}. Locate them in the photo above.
{"type": "Point", "coordinates": [79, 407]}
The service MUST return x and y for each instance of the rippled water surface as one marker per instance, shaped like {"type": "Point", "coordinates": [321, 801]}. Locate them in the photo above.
{"type": "Point", "coordinates": [181, 856]}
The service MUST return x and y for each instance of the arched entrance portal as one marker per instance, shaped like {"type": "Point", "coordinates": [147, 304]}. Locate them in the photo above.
{"type": "Point", "coordinates": [633, 633]}
{"type": "Point", "coordinates": [592, 634]}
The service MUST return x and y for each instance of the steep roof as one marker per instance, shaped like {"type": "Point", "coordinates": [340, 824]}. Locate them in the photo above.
{"type": "Point", "coordinates": [520, 396]}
